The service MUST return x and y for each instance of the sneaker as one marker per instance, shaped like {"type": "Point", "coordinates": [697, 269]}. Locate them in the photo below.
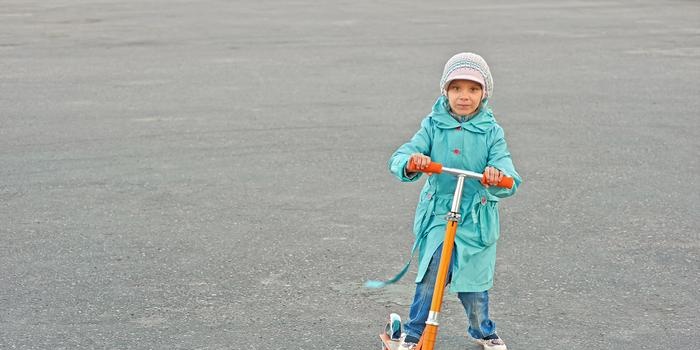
{"type": "Point", "coordinates": [492, 344]}
{"type": "Point", "coordinates": [407, 346]}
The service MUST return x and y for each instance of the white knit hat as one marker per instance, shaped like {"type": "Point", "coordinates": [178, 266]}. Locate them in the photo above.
{"type": "Point", "coordinates": [467, 66]}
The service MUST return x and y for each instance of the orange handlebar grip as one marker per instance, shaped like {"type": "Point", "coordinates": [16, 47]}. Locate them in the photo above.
{"type": "Point", "coordinates": [433, 167]}
{"type": "Point", "coordinates": [506, 182]}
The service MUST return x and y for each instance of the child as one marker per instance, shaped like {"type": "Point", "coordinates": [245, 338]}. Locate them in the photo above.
{"type": "Point", "coordinates": [461, 132]}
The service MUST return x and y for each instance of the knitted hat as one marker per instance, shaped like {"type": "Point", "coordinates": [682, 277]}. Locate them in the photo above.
{"type": "Point", "coordinates": [467, 66]}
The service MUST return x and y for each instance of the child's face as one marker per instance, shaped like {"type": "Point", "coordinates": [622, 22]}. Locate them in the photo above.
{"type": "Point", "coordinates": [464, 96]}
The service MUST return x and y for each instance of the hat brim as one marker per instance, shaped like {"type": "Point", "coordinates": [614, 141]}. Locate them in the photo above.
{"type": "Point", "coordinates": [469, 77]}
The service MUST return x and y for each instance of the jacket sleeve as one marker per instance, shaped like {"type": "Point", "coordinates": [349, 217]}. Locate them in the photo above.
{"type": "Point", "coordinates": [419, 143]}
{"type": "Point", "coordinates": [499, 158]}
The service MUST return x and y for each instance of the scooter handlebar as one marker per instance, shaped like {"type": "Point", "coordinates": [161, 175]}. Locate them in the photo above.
{"type": "Point", "coordinates": [506, 182]}
{"type": "Point", "coordinates": [437, 168]}
{"type": "Point", "coordinates": [433, 168]}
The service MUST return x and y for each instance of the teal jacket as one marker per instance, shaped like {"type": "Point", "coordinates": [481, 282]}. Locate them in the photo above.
{"type": "Point", "coordinates": [471, 145]}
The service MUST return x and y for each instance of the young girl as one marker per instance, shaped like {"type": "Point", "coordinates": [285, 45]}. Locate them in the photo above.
{"type": "Point", "coordinates": [460, 132]}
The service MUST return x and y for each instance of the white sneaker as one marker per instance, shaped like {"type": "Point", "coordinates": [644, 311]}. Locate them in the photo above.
{"type": "Point", "coordinates": [407, 346]}
{"type": "Point", "coordinates": [492, 344]}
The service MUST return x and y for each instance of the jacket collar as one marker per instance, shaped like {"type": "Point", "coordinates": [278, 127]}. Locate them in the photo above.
{"type": "Point", "coordinates": [479, 123]}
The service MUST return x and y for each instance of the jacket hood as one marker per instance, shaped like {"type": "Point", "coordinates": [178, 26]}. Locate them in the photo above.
{"type": "Point", "coordinates": [481, 122]}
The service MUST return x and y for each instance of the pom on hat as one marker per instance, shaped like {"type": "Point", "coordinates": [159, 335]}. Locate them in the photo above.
{"type": "Point", "coordinates": [467, 66]}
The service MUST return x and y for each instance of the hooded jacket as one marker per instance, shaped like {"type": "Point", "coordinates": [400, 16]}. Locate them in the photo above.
{"type": "Point", "coordinates": [471, 145]}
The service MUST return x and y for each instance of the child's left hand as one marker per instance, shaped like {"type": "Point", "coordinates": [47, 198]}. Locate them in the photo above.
{"type": "Point", "coordinates": [492, 176]}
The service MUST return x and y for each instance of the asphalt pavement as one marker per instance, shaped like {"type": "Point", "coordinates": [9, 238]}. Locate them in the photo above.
{"type": "Point", "coordinates": [212, 174]}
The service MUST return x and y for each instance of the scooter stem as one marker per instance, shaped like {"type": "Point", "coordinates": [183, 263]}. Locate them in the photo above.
{"type": "Point", "coordinates": [427, 341]}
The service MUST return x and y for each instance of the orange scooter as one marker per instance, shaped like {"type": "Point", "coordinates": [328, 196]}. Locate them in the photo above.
{"type": "Point", "coordinates": [392, 333]}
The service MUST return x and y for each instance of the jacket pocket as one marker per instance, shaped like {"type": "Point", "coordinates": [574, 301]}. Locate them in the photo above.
{"type": "Point", "coordinates": [424, 211]}
{"type": "Point", "coordinates": [486, 218]}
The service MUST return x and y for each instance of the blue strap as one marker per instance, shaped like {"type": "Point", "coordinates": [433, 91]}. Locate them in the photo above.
{"type": "Point", "coordinates": [374, 284]}
{"type": "Point", "coordinates": [424, 233]}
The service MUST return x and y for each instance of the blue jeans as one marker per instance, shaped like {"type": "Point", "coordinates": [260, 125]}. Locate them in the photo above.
{"type": "Point", "coordinates": [476, 305]}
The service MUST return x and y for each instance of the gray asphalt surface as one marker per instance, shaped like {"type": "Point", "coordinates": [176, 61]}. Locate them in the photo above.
{"type": "Point", "coordinates": [212, 174]}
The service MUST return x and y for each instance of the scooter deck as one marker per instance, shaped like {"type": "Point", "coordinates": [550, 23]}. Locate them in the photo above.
{"type": "Point", "coordinates": [388, 343]}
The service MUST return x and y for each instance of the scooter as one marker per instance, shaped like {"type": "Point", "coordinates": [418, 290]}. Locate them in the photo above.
{"type": "Point", "coordinates": [391, 336]}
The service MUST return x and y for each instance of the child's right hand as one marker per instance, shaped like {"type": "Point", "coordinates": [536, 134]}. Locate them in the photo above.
{"type": "Point", "coordinates": [420, 160]}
